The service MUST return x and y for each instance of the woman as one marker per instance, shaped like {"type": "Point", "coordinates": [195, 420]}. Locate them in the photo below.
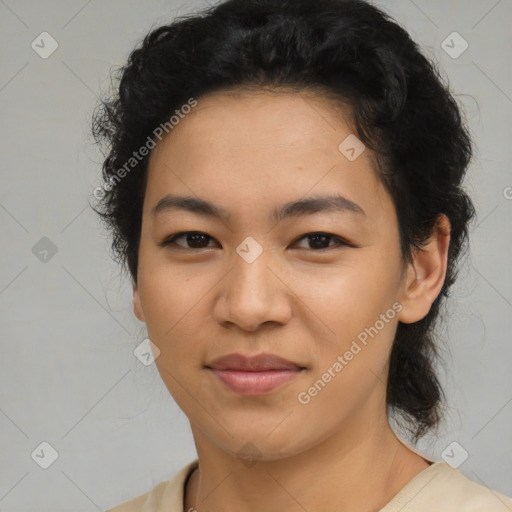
{"type": "Point", "coordinates": [283, 183]}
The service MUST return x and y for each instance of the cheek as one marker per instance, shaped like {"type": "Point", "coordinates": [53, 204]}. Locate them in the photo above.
{"type": "Point", "coordinates": [358, 323]}
{"type": "Point", "coordinates": [349, 297]}
{"type": "Point", "coordinates": [326, 406]}
{"type": "Point", "coordinates": [348, 372]}
{"type": "Point", "coordinates": [178, 321]}
{"type": "Point", "coordinates": [167, 297]}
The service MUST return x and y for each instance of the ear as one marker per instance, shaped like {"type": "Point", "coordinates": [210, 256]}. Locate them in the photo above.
{"type": "Point", "coordinates": [426, 274]}
{"type": "Point", "coordinates": [137, 306]}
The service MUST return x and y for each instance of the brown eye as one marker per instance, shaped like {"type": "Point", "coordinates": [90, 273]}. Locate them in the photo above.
{"type": "Point", "coordinates": [320, 241]}
{"type": "Point", "coordinates": [194, 239]}
{"type": "Point", "coordinates": [198, 240]}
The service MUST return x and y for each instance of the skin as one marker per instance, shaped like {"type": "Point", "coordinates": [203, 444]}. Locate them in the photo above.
{"type": "Point", "coordinates": [250, 152]}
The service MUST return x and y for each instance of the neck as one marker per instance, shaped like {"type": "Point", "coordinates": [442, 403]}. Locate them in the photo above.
{"type": "Point", "coordinates": [358, 470]}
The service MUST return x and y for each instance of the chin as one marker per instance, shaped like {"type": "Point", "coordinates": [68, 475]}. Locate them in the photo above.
{"type": "Point", "coordinates": [255, 444]}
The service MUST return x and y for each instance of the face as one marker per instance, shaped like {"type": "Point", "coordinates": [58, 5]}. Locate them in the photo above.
{"type": "Point", "coordinates": [319, 287]}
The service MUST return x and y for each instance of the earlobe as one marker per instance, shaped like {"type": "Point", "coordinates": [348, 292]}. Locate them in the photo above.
{"type": "Point", "coordinates": [137, 306]}
{"type": "Point", "coordinates": [426, 274]}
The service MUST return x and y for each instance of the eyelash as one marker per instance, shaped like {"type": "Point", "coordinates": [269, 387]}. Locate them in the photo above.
{"type": "Point", "coordinates": [340, 241]}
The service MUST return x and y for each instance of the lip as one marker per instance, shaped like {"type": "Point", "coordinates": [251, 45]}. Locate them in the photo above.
{"type": "Point", "coordinates": [260, 362]}
{"type": "Point", "coordinates": [254, 375]}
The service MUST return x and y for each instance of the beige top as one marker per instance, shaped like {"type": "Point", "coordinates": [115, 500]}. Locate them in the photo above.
{"type": "Point", "coordinates": [438, 488]}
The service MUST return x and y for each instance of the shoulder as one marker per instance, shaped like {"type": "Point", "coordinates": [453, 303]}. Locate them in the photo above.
{"type": "Point", "coordinates": [445, 489]}
{"type": "Point", "coordinates": [167, 495]}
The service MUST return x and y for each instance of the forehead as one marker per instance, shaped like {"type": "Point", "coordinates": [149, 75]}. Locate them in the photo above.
{"type": "Point", "coordinates": [266, 145]}
{"type": "Point", "coordinates": [270, 117]}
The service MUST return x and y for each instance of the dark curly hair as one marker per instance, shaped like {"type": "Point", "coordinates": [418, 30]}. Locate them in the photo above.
{"type": "Point", "coordinates": [346, 50]}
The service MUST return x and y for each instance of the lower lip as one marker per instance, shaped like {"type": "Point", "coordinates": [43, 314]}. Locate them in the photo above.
{"type": "Point", "coordinates": [254, 383]}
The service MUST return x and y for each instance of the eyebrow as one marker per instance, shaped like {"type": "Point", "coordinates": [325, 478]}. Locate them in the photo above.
{"type": "Point", "coordinates": [306, 206]}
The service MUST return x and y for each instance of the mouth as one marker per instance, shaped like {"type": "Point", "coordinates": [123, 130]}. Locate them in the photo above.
{"type": "Point", "coordinates": [255, 375]}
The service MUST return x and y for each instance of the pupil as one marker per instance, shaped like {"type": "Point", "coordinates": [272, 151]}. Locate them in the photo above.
{"type": "Point", "coordinates": [196, 240]}
{"type": "Point", "coordinates": [322, 238]}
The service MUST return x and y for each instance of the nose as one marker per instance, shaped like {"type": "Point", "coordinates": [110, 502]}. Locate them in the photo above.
{"type": "Point", "coordinates": [253, 294]}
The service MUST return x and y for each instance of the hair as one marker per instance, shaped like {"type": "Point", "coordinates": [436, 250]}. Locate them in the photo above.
{"type": "Point", "coordinates": [346, 50]}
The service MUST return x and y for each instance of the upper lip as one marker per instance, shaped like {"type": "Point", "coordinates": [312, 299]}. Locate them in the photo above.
{"type": "Point", "coordinates": [260, 362]}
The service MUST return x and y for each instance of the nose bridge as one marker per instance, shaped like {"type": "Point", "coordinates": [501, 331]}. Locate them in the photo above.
{"type": "Point", "coordinates": [251, 293]}
{"type": "Point", "coordinates": [250, 270]}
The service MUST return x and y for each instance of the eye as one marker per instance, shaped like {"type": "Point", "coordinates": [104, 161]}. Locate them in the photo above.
{"type": "Point", "coordinates": [195, 239]}
{"type": "Point", "coordinates": [320, 241]}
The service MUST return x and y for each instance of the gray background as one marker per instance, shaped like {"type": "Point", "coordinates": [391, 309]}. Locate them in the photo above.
{"type": "Point", "coordinates": [68, 375]}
